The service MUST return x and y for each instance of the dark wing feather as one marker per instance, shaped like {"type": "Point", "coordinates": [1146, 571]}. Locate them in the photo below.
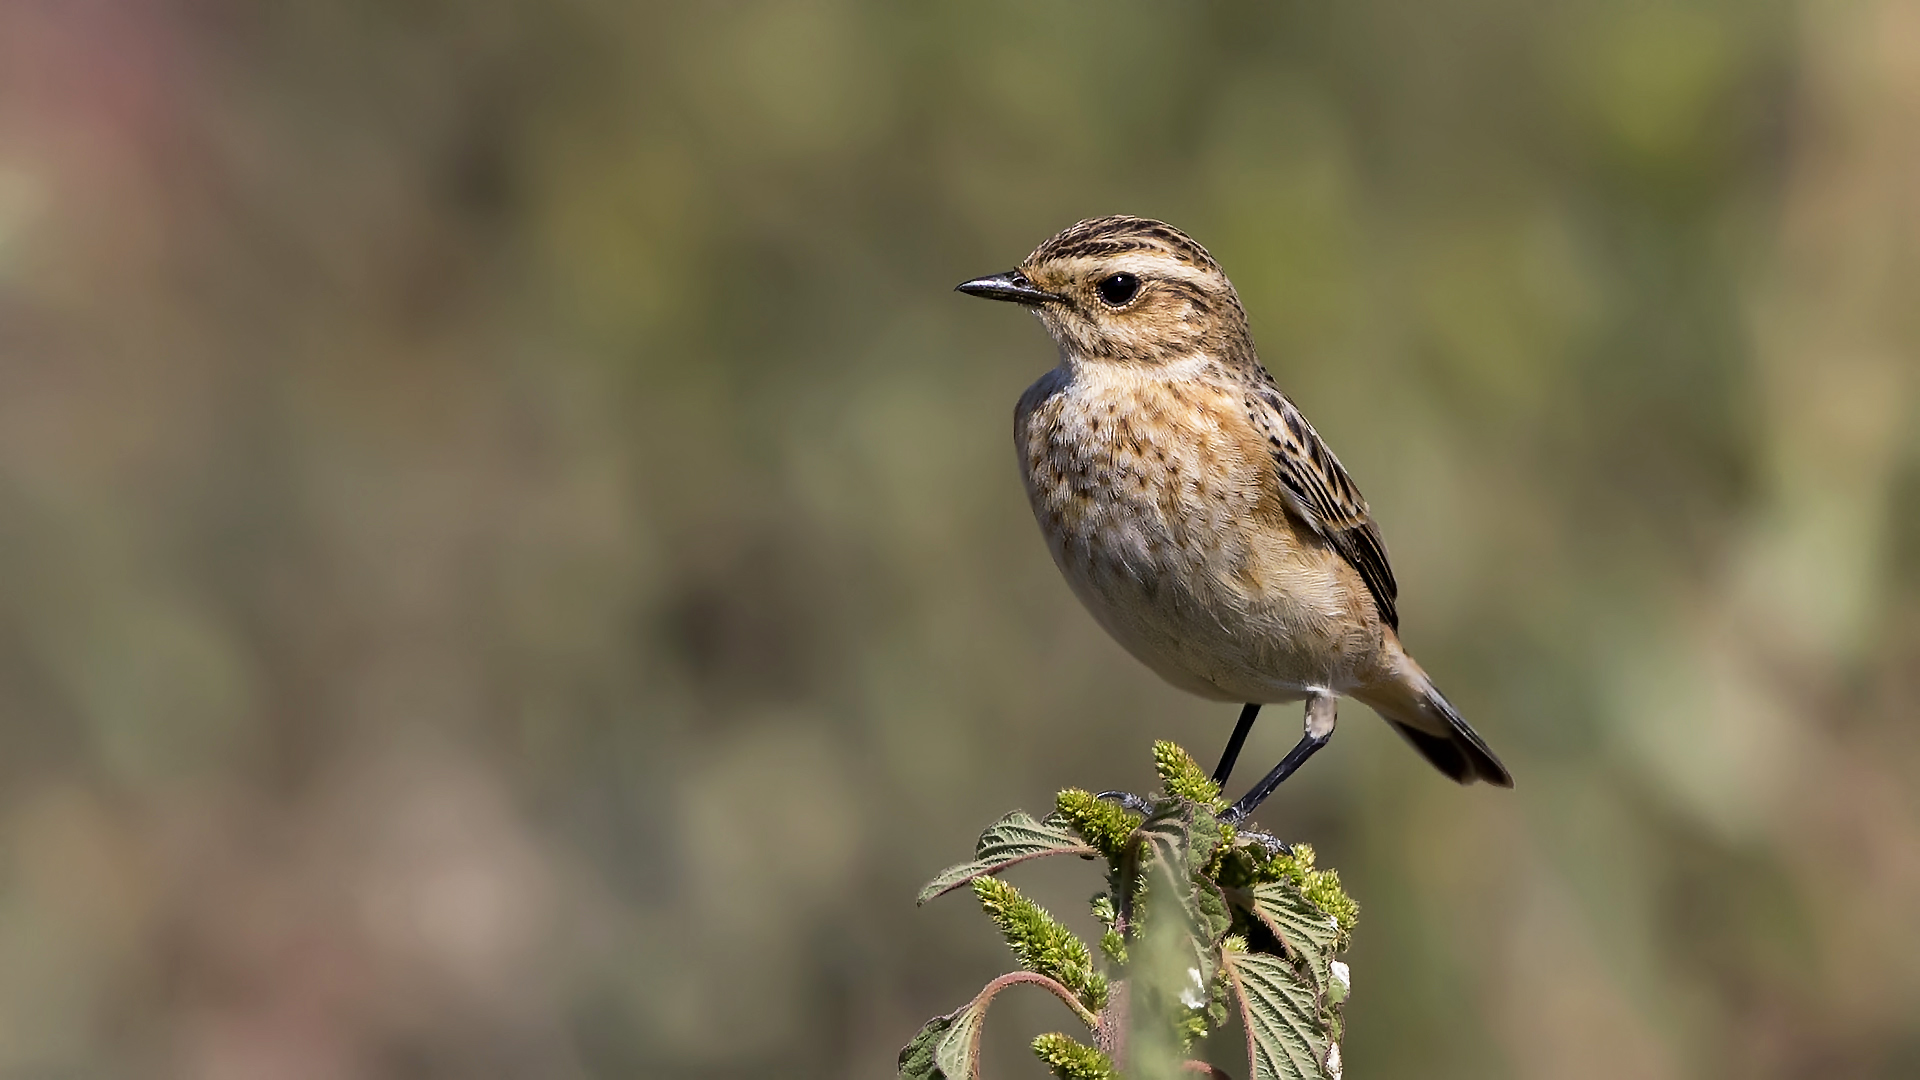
{"type": "Point", "coordinates": [1322, 495]}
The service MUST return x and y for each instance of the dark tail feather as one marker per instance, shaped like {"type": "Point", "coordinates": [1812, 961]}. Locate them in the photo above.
{"type": "Point", "coordinates": [1461, 753]}
{"type": "Point", "coordinates": [1428, 721]}
{"type": "Point", "coordinates": [1464, 760]}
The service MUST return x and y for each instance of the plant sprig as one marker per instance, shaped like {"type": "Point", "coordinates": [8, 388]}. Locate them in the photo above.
{"type": "Point", "coordinates": [1201, 923]}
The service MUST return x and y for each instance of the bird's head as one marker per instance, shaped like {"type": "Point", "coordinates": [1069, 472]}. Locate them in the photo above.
{"type": "Point", "coordinates": [1127, 290]}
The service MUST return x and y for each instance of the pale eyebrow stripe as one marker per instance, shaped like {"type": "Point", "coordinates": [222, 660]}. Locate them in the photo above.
{"type": "Point", "coordinates": [1145, 263]}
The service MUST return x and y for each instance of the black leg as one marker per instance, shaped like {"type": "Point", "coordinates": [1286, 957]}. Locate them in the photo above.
{"type": "Point", "coordinates": [1295, 758]}
{"type": "Point", "coordinates": [1232, 753]}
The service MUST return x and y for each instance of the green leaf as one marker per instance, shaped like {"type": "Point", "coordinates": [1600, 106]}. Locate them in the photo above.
{"type": "Point", "coordinates": [1288, 1035]}
{"type": "Point", "coordinates": [1181, 836]}
{"type": "Point", "coordinates": [1320, 887]}
{"type": "Point", "coordinates": [1180, 842]}
{"type": "Point", "coordinates": [931, 1054]}
{"type": "Point", "coordinates": [1182, 916]}
{"type": "Point", "coordinates": [1307, 932]}
{"type": "Point", "coordinates": [1011, 840]}
{"type": "Point", "coordinates": [948, 1047]}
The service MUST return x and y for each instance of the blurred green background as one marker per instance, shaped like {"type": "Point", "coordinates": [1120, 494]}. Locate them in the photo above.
{"type": "Point", "coordinates": [512, 562]}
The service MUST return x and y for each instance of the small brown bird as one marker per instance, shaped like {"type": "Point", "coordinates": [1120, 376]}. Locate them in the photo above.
{"type": "Point", "coordinates": [1193, 509]}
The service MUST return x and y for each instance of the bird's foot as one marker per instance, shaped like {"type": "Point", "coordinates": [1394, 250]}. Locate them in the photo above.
{"type": "Point", "coordinates": [1129, 801]}
{"type": "Point", "coordinates": [1273, 844]}
{"type": "Point", "coordinates": [1235, 816]}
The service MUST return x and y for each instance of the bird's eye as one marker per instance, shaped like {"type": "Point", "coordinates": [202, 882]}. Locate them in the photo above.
{"type": "Point", "coordinates": [1118, 289]}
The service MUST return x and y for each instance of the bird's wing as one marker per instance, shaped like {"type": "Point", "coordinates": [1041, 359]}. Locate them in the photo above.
{"type": "Point", "coordinates": [1321, 494]}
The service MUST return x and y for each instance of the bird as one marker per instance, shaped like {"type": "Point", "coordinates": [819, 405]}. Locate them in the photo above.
{"type": "Point", "coordinates": [1196, 513]}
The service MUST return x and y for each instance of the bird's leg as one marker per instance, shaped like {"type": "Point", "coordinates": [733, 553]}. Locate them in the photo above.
{"type": "Point", "coordinates": [1321, 715]}
{"type": "Point", "coordinates": [1220, 772]}
{"type": "Point", "coordinates": [1232, 752]}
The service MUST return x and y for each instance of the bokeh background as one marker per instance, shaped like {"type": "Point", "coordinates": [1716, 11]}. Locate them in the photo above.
{"type": "Point", "coordinates": [512, 563]}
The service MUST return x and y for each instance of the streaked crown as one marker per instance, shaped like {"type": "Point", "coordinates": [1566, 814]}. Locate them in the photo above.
{"type": "Point", "coordinates": [1131, 289]}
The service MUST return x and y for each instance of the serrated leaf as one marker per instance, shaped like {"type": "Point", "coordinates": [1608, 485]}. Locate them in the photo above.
{"type": "Point", "coordinates": [1182, 835]}
{"type": "Point", "coordinates": [1175, 957]}
{"type": "Point", "coordinates": [1013, 839]}
{"type": "Point", "coordinates": [1293, 918]}
{"type": "Point", "coordinates": [948, 1047]}
{"type": "Point", "coordinates": [1287, 1034]}
{"type": "Point", "coordinates": [1308, 932]}
{"type": "Point", "coordinates": [1179, 843]}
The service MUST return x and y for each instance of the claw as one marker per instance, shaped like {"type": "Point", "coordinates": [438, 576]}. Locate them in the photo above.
{"type": "Point", "coordinates": [1129, 801]}
{"type": "Point", "coordinates": [1273, 844]}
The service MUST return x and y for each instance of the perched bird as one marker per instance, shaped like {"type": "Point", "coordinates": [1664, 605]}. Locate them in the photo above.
{"type": "Point", "coordinates": [1193, 509]}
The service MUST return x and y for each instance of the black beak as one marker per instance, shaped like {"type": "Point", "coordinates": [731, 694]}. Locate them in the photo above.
{"type": "Point", "coordinates": [1012, 285]}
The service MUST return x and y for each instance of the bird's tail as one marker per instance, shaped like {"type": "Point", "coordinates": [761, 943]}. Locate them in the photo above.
{"type": "Point", "coordinates": [1424, 717]}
